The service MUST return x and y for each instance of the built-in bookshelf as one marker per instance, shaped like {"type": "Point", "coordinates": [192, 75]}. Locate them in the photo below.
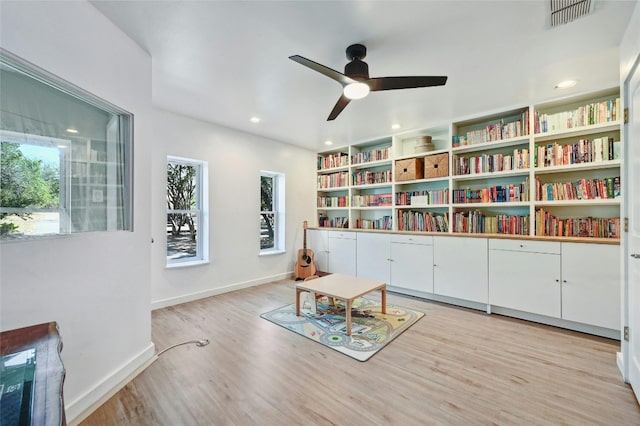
{"type": "Point", "coordinates": [94, 185]}
{"type": "Point", "coordinates": [550, 169]}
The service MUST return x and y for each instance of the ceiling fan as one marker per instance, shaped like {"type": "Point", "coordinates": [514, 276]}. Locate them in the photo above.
{"type": "Point", "coordinates": [356, 82]}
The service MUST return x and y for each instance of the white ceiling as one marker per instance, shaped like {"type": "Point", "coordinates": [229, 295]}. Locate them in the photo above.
{"type": "Point", "coordinates": [226, 61]}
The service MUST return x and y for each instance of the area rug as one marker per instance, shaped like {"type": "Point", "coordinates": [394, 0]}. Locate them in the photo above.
{"type": "Point", "coordinates": [371, 330]}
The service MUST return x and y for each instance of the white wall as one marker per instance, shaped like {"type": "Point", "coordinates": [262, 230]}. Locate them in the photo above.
{"type": "Point", "coordinates": [630, 44]}
{"type": "Point", "coordinates": [97, 285]}
{"type": "Point", "coordinates": [235, 160]}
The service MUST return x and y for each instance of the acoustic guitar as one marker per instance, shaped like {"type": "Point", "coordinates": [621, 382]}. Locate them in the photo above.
{"type": "Point", "coordinates": [305, 265]}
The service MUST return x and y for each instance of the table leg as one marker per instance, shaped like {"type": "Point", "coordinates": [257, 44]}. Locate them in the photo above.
{"type": "Point", "coordinates": [298, 291]}
{"type": "Point", "coordinates": [384, 300]}
{"type": "Point", "coordinates": [347, 314]}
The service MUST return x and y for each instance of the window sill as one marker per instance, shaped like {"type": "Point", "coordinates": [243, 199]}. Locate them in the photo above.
{"type": "Point", "coordinates": [176, 265]}
{"type": "Point", "coordinates": [271, 252]}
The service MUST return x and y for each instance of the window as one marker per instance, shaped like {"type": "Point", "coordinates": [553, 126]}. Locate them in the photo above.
{"type": "Point", "coordinates": [65, 156]}
{"type": "Point", "coordinates": [271, 212]}
{"type": "Point", "coordinates": [187, 212]}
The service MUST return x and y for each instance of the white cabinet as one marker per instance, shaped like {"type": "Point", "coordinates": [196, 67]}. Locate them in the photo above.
{"type": "Point", "coordinates": [374, 252]}
{"type": "Point", "coordinates": [572, 281]}
{"type": "Point", "coordinates": [575, 285]}
{"type": "Point", "coordinates": [525, 275]}
{"type": "Point", "coordinates": [591, 284]}
{"type": "Point", "coordinates": [334, 251]}
{"type": "Point", "coordinates": [412, 262]}
{"type": "Point", "coordinates": [317, 240]}
{"type": "Point", "coordinates": [460, 268]}
{"type": "Point", "coordinates": [342, 253]}
{"type": "Point", "coordinates": [403, 261]}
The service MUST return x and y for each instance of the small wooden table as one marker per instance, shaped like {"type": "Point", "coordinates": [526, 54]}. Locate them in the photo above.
{"type": "Point", "coordinates": [342, 287]}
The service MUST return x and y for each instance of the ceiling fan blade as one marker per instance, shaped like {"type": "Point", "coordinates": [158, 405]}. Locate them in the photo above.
{"type": "Point", "coordinates": [391, 83]}
{"type": "Point", "coordinates": [337, 109]}
{"type": "Point", "coordinates": [333, 74]}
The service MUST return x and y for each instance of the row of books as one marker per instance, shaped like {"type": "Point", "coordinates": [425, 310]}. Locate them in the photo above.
{"type": "Point", "coordinates": [495, 194]}
{"type": "Point", "coordinates": [372, 200]}
{"type": "Point", "coordinates": [422, 198]}
{"type": "Point", "coordinates": [583, 151]}
{"type": "Point", "coordinates": [333, 222]}
{"type": "Point", "coordinates": [591, 227]}
{"type": "Point", "coordinates": [422, 221]}
{"type": "Point", "coordinates": [495, 132]}
{"type": "Point", "coordinates": [489, 163]}
{"type": "Point", "coordinates": [333, 180]}
{"type": "Point", "coordinates": [338, 201]}
{"type": "Point", "coordinates": [585, 115]}
{"type": "Point", "coordinates": [367, 177]}
{"type": "Point", "coordinates": [338, 159]}
{"type": "Point", "coordinates": [373, 155]}
{"type": "Point", "coordinates": [581, 189]}
{"type": "Point", "coordinates": [384, 222]}
{"type": "Point", "coordinates": [476, 222]}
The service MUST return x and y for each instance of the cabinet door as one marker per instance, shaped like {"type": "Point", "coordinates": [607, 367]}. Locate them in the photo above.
{"type": "Point", "coordinates": [317, 240]}
{"type": "Point", "coordinates": [374, 252]}
{"type": "Point", "coordinates": [525, 281]}
{"type": "Point", "coordinates": [460, 268]}
{"type": "Point", "coordinates": [342, 255]}
{"type": "Point", "coordinates": [591, 284]}
{"type": "Point", "coordinates": [412, 266]}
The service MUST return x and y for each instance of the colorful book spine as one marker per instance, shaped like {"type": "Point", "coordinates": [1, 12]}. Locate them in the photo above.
{"type": "Point", "coordinates": [585, 227]}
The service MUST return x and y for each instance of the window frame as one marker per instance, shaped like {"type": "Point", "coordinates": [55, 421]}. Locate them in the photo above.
{"type": "Point", "coordinates": [278, 205]}
{"type": "Point", "coordinates": [125, 135]}
{"type": "Point", "coordinates": [201, 210]}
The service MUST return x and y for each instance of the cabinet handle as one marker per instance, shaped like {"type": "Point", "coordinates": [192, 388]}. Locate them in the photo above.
{"type": "Point", "coordinates": [521, 245]}
{"type": "Point", "coordinates": [564, 281]}
{"type": "Point", "coordinates": [636, 255]}
{"type": "Point", "coordinates": [557, 281]}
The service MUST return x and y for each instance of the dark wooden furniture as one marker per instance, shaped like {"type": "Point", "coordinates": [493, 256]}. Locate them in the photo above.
{"type": "Point", "coordinates": [48, 401]}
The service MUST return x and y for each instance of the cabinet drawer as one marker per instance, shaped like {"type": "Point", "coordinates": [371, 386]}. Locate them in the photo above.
{"type": "Point", "coordinates": [525, 245]}
{"type": "Point", "coordinates": [426, 240]}
{"type": "Point", "coordinates": [343, 235]}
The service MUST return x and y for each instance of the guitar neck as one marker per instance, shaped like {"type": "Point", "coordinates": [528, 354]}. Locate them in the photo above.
{"type": "Point", "coordinates": [304, 240]}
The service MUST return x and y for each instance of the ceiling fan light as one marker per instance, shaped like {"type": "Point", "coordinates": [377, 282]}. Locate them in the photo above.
{"type": "Point", "coordinates": [356, 90]}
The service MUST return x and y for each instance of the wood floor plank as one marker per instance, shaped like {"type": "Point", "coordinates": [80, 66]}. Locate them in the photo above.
{"type": "Point", "coordinates": [454, 366]}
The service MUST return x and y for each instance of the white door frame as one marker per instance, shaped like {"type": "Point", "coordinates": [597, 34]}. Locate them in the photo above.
{"type": "Point", "coordinates": [629, 244]}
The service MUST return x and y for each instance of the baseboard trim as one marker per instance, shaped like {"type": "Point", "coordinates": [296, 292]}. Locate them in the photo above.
{"type": "Point", "coordinates": [438, 298]}
{"type": "Point", "coordinates": [527, 316]}
{"type": "Point", "coordinates": [163, 303]}
{"type": "Point", "coordinates": [558, 322]}
{"type": "Point", "coordinates": [620, 363]}
{"type": "Point", "coordinates": [82, 407]}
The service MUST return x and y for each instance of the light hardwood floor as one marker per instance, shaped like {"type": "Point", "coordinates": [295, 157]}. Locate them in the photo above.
{"type": "Point", "coordinates": [454, 366]}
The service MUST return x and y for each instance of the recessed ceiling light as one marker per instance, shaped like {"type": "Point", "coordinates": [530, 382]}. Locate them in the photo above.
{"type": "Point", "coordinates": [62, 146]}
{"type": "Point", "coordinates": [255, 119]}
{"type": "Point", "coordinates": [566, 84]}
{"type": "Point", "coordinates": [70, 130]}
{"type": "Point", "coordinates": [395, 126]}
{"type": "Point", "coordinates": [328, 142]}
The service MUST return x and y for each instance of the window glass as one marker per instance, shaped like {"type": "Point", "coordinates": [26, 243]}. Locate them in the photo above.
{"type": "Point", "coordinates": [187, 233]}
{"type": "Point", "coordinates": [271, 212]}
{"type": "Point", "coordinates": [64, 157]}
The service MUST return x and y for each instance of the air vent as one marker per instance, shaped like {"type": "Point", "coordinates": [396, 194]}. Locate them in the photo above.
{"type": "Point", "coordinates": [565, 11]}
